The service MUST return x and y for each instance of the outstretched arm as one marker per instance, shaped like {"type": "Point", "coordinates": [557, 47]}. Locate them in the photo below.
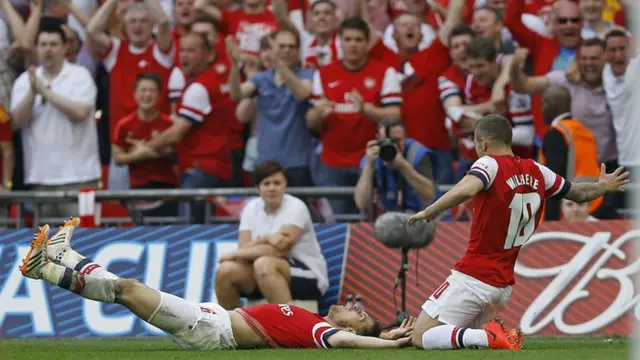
{"type": "Point", "coordinates": [463, 191]}
{"type": "Point", "coordinates": [583, 192]}
{"type": "Point", "coordinates": [344, 339]}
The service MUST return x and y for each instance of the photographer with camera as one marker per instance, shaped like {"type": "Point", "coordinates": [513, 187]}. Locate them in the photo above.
{"type": "Point", "coordinates": [400, 168]}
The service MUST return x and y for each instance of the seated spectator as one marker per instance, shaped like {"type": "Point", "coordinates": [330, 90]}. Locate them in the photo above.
{"type": "Point", "coordinates": [573, 211]}
{"type": "Point", "coordinates": [147, 169]}
{"type": "Point", "coordinates": [404, 183]}
{"type": "Point", "coordinates": [278, 255]}
{"type": "Point", "coordinates": [55, 104]}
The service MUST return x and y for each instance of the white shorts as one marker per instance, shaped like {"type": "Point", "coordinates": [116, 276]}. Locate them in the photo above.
{"type": "Point", "coordinates": [192, 326]}
{"type": "Point", "coordinates": [465, 301]}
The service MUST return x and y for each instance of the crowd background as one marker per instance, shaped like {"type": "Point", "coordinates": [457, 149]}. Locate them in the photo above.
{"type": "Point", "coordinates": [196, 93]}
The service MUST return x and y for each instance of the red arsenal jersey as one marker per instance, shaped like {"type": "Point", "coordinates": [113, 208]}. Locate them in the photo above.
{"type": "Point", "coordinates": [287, 326]}
{"type": "Point", "coordinates": [124, 62]}
{"type": "Point", "coordinates": [506, 214]}
{"type": "Point", "coordinates": [322, 55]}
{"type": "Point", "coordinates": [143, 172]}
{"type": "Point", "coordinates": [452, 83]}
{"type": "Point", "coordinates": [519, 112]}
{"type": "Point", "coordinates": [346, 131]}
{"type": "Point", "coordinates": [248, 29]}
{"type": "Point", "coordinates": [207, 145]}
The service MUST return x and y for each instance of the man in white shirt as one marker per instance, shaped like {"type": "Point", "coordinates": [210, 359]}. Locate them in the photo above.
{"type": "Point", "coordinates": [54, 104]}
{"type": "Point", "coordinates": [618, 81]}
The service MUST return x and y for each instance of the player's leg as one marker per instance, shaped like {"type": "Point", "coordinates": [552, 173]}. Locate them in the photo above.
{"type": "Point", "coordinates": [165, 311]}
{"type": "Point", "coordinates": [445, 317]}
{"type": "Point", "coordinates": [60, 251]}
{"type": "Point", "coordinates": [234, 279]}
{"type": "Point", "coordinates": [272, 277]}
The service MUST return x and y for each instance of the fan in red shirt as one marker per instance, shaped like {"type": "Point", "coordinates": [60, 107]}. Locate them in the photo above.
{"type": "Point", "coordinates": [125, 59]}
{"type": "Point", "coordinates": [350, 97]}
{"type": "Point", "coordinates": [484, 70]}
{"type": "Point", "coordinates": [147, 170]}
{"type": "Point", "coordinates": [421, 70]}
{"type": "Point", "coordinates": [508, 194]}
{"type": "Point", "coordinates": [325, 47]}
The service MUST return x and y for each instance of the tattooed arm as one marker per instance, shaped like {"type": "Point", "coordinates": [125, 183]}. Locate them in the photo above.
{"type": "Point", "coordinates": [583, 191]}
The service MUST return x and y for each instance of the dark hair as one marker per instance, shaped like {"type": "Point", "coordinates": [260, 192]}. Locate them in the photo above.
{"type": "Point", "coordinates": [206, 20]}
{"type": "Point", "coordinates": [614, 34]}
{"type": "Point", "coordinates": [267, 169]}
{"type": "Point", "coordinates": [391, 123]}
{"type": "Point", "coordinates": [460, 30]}
{"type": "Point", "coordinates": [594, 42]}
{"type": "Point", "coordinates": [374, 330]}
{"type": "Point", "coordinates": [495, 128]}
{"type": "Point", "coordinates": [355, 23]}
{"type": "Point", "coordinates": [51, 28]}
{"type": "Point", "coordinates": [265, 43]}
{"type": "Point", "coordinates": [149, 75]}
{"type": "Point", "coordinates": [495, 12]}
{"type": "Point", "coordinates": [481, 48]}
{"type": "Point", "coordinates": [318, 2]}
{"type": "Point", "coordinates": [285, 30]}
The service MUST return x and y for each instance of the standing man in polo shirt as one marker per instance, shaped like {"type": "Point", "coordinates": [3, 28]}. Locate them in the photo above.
{"type": "Point", "coordinates": [54, 104]}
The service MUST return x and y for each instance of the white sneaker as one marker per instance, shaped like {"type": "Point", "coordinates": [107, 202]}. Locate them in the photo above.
{"type": "Point", "coordinates": [60, 242]}
{"type": "Point", "coordinates": [37, 256]}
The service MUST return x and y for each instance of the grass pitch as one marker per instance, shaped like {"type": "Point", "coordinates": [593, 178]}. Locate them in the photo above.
{"type": "Point", "coordinates": [163, 349]}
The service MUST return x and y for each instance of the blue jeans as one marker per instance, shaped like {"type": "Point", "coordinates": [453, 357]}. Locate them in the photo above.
{"type": "Point", "coordinates": [327, 176]}
{"type": "Point", "coordinates": [445, 167]}
{"type": "Point", "coordinates": [195, 178]}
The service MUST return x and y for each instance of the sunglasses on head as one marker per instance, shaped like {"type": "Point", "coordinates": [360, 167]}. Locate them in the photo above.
{"type": "Point", "coordinates": [563, 20]}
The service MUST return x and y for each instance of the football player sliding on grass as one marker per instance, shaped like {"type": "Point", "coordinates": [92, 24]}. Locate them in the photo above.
{"type": "Point", "coordinates": [204, 326]}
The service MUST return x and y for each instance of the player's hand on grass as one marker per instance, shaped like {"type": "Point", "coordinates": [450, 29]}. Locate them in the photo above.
{"type": "Point", "coordinates": [404, 330]}
{"type": "Point", "coordinates": [613, 182]}
{"type": "Point", "coordinates": [427, 214]}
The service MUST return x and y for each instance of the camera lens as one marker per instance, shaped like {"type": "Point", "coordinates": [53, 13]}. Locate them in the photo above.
{"type": "Point", "coordinates": [387, 150]}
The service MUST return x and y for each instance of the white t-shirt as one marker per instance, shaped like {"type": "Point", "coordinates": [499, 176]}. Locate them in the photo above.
{"type": "Point", "coordinates": [58, 151]}
{"type": "Point", "coordinates": [292, 211]}
{"type": "Point", "coordinates": [619, 92]}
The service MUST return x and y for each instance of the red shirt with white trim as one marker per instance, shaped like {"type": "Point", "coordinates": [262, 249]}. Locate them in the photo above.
{"type": "Point", "coordinates": [207, 104]}
{"type": "Point", "coordinates": [346, 131]}
{"type": "Point", "coordinates": [124, 62]}
{"type": "Point", "coordinates": [248, 29]}
{"type": "Point", "coordinates": [422, 113]}
{"type": "Point", "coordinates": [519, 112]}
{"type": "Point", "coordinates": [321, 55]}
{"type": "Point", "coordinates": [152, 170]}
{"type": "Point", "coordinates": [505, 214]}
{"type": "Point", "coordinates": [288, 326]}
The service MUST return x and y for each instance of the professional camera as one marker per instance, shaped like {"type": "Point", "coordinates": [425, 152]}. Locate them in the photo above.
{"type": "Point", "coordinates": [388, 149]}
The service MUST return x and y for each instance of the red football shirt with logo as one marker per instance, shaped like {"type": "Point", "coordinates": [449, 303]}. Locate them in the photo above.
{"type": "Point", "coordinates": [288, 326]}
{"type": "Point", "coordinates": [505, 214]}
{"type": "Point", "coordinates": [422, 113]}
{"type": "Point", "coordinates": [248, 29]}
{"type": "Point", "coordinates": [206, 103]}
{"type": "Point", "coordinates": [152, 170]}
{"type": "Point", "coordinates": [519, 112]}
{"type": "Point", "coordinates": [346, 131]}
{"type": "Point", "coordinates": [124, 62]}
{"type": "Point", "coordinates": [321, 55]}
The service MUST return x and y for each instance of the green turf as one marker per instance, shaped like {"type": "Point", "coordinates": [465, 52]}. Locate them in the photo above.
{"type": "Point", "coordinates": [153, 349]}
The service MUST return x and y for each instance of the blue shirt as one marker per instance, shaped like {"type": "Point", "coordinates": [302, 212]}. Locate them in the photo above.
{"type": "Point", "coordinates": [563, 59]}
{"type": "Point", "coordinates": [423, 161]}
{"type": "Point", "coordinates": [281, 128]}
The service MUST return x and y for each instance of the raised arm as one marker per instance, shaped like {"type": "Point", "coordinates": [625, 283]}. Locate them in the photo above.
{"type": "Point", "coordinates": [208, 9]}
{"type": "Point", "coordinates": [96, 36]}
{"type": "Point", "coordinates": [522, 83]}
{"type": "Point", "coordinates": [454, 17]}
{"type": "Point", "coordinates": [31, 29]}
{"type": "Point", "coordinates": [14, 19]}
{"type": "Point", "coordinates": [163, 37]}
{"type": "Point", "coordinates": [584, 192]}
{"type": "Point", "coordinates": [237, 89]}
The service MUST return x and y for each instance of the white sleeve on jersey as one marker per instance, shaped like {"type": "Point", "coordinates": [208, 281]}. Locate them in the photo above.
{"type": "Point", "coordinates": [321, 333]}
{"type": "Point", "coordinates": [195, 104]}
{"type": "Point", "coordinates": [447, 88]}
{"type": "Point", "coordinates": [555, 186]}
{"type": "Point", "coordinates": [317, 91]}
{"type": "Point", "coordinates": [391, 92]}
{"type": "Point", "coordinates": [111, 58]}
{"type": "Point", "coordinates": [485, 169]}
{"type": "Point", "coordinates": [164, 59]}
{"type": "Point", "coordinates": [176, 84]}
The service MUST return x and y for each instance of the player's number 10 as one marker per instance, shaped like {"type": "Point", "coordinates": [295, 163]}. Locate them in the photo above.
{"type": "Point", "coordinates": [522, 223]}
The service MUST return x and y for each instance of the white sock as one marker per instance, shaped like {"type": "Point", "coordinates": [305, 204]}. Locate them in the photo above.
{"type": "Point", "coordinates": [86, 266]}
{"type": "Point", "coordinates": [89, 287]}
{"type": "Point", "coordinates": [452, 337]}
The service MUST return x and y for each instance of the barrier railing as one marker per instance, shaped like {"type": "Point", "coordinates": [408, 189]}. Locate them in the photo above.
{"type": "Point", "coordinates": [128, 197]}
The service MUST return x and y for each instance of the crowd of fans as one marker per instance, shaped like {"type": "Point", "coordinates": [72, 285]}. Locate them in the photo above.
{"type": "Point", "coordinates": [160, 94]}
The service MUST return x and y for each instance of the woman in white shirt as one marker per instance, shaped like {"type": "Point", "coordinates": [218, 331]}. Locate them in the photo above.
{"type": "Point", "coordinates": [278, 256]}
